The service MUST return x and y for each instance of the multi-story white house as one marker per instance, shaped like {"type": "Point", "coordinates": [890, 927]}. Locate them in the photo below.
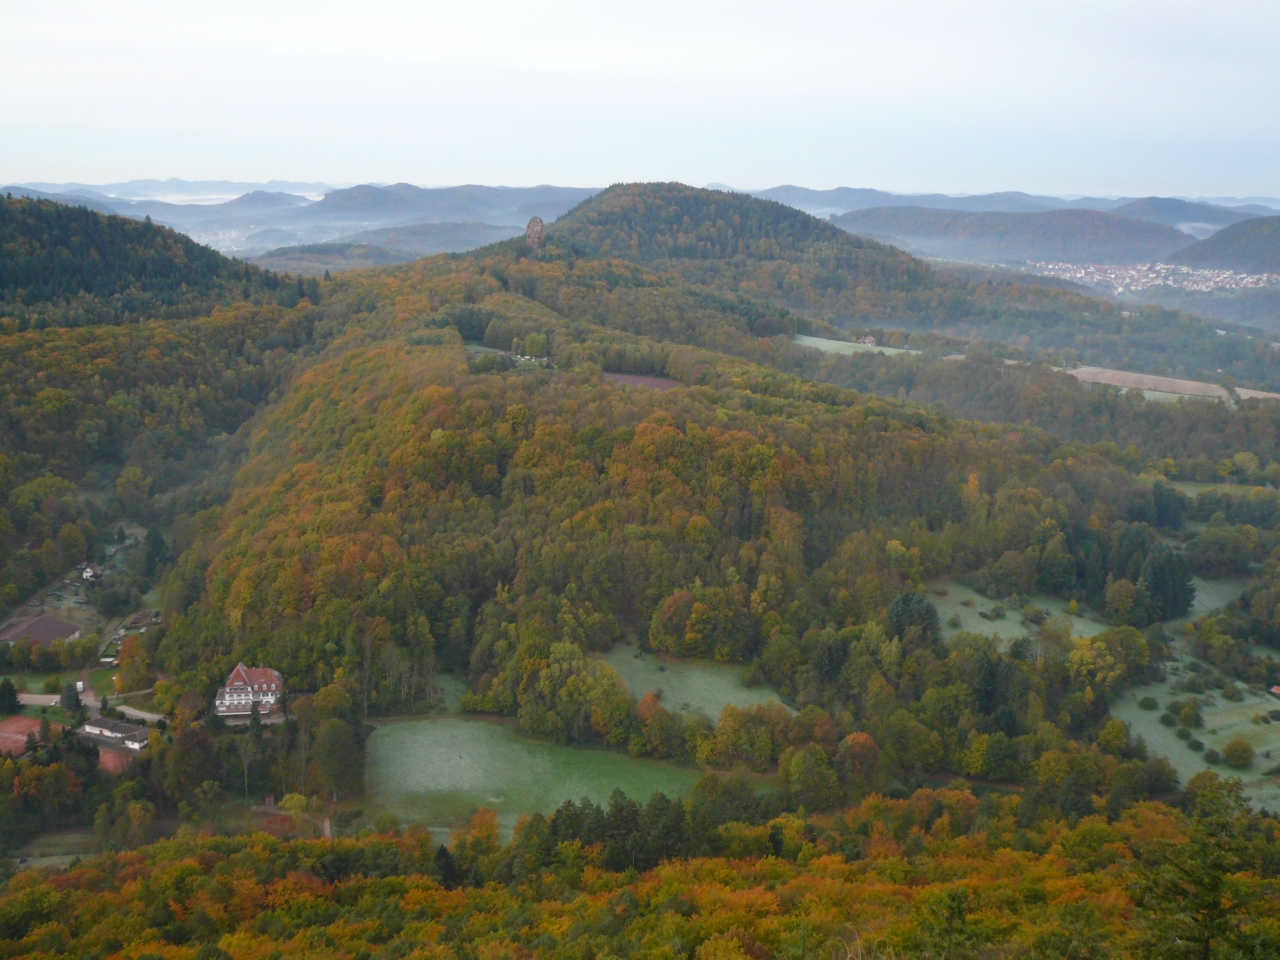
{"type": "Point", "coordinates": [247, 686]}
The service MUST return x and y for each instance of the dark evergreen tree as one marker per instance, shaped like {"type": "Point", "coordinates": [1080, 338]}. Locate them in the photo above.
{"type": "Point", "coordinates": [157, 552]}
{"type": "Point", "coordinates": [1130, 551]}
{"type": "Point", "coordinates": [914, 610]}
{"type": "Point", "coordinates": [1187, 904]}
{"type": "Point", "coordinates": [1168, 579]}
{"type": "Point", "coordinates": [70, 699]}
{"type": "Point", "coordinates": [8, 697]}
{"type": "Point", "coordinates": [1168, 502]}
{"type": "Point", "coordinates": [446, 867]}
{"type": "Point", "coordinates": [623, 843]}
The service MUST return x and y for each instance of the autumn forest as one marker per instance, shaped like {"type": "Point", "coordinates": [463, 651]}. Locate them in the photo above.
{"type": "Point", "coordinates": [955, 581]}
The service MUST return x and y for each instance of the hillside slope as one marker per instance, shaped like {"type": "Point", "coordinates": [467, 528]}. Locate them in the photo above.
{"type": "Point", "coordinates": [71, 266]}
{"type": "Point", "coordinates": [764, 251]}
{"type": "Point", "coordinates": [409, 501]}
{"type": "Point", "coordinates": [315, 259]}
{"type": "Point", "coordinates": [53, 253]}
{"type": "Point", "coordinates": [1070, 236]}
{"type": "Point", "coordinates": [1252, 246]}
{"type": "Point", "coordinates": [101, 205]}
{"type": "Point", "coordinates": [743, 245]}
{"type": "Point", "coordinates": [428, 239]}
{"type": "Point", "coordinates": [1195, 219]}
{"type": "Point", "coordinates": [791, 886]}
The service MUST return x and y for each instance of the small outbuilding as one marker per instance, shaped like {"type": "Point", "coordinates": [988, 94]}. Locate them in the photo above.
{"type": "Point", "coordinates": [127, 735]}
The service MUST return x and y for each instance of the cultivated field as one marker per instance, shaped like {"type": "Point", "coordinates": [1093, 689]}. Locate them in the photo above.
{"type": "Point", "coordinates": [1146, 381]}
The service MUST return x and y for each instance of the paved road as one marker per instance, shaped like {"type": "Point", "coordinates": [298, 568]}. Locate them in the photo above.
{"type": "Point", "coordinates": [51, 700]}
{"type": "Point", "coordinates": [133, 713]}
{"type": "Point", "coordinates": [38, 699]}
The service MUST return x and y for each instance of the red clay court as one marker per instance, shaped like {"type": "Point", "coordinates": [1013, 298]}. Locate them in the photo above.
{"type": "Point", "coordinates": [114, 762]}
{"type": "Point", "coordinates": [13, 734]}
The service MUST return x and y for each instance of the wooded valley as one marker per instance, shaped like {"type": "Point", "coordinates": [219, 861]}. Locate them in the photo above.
{"type": "Point", "coordinates": [399, 478]}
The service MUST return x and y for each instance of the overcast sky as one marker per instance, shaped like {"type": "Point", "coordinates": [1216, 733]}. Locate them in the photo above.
{"type": "Point", "coordinates": [1110, 97]}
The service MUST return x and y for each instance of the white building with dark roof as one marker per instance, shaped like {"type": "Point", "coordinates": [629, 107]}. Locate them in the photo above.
{"type": "Point", "coordinates": [126, 734]}
{"type": "Point", "coordinates": [247, 686]}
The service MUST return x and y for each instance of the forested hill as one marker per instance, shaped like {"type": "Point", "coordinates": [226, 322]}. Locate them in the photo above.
{"type": "Point", "coordinates": [666, 221]}
{"type": "Point", "coordinates": [758, 249]}
{"type": "Point", "coordinates": [409, 502]}
{"type": "Point", "coordinates": [743, 244]}
{"type": "Point", "coordinates": [69, 266]}
{"type": "Point", "coordinates": [53, 252]}
{"type": "Point", "coordinates": [1249, 247]}
{"type": "Point", "coordinates": [1196, 218]}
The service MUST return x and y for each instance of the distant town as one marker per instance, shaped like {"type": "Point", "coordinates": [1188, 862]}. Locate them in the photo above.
{"type": "Point", "coordinates": [1120, 280]}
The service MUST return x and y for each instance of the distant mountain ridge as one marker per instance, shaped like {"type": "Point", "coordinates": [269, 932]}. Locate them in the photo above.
{"type": "Point", "coordinates": [1196, 219]}
{"type": "Point", "coordinates": [189, 190]}
{"type": "Point", "coordinates": [1251, 246]}
{"type": "Point", "coordinates": [234, 226]}
{"type": "Point", "coordinates": [264, 217]}
{"type": "Point", "coordinates": [1071, 236]}
{"type": "Point", "coordinates": [1167, 210]}
{"type": "Point", "coordinates": [181, 215]}
{"type": "Point", "coordinates": [73, 200]}
{"type": "Point", "coordinates": [823, 203]}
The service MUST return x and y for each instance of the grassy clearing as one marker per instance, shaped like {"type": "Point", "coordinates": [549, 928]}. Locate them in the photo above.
{"type": "Point", "coordinates": [55, 714]}
{"type": "Point", "coordinates": [688, 685]}
{"type": "Point", "coordinates": [56, 849]}
{"type": "Point", "coordinates": [843, 346]}
{"type": "Point", "coordinates": [954, 599]}
{"type": "Point", "coordinates": [99, 681]}
{"type": "Point", "coordinates": [1193, 487]}
{"type": "Point", "coordinates": [1213, 595]}
{"type": "Point", "coordinates": [1224, 721]}
{"type": "Point", "coordinates": [439, 771]}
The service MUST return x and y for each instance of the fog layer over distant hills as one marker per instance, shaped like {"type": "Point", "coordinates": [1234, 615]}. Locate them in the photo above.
{"type": "Point", "coordinates": [250, 219]}
{"type": "Point", "coordinates": [263, 219]}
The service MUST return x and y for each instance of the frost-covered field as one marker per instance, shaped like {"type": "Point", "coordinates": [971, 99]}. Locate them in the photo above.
{"type": "Point", "coordinates": [439, 770]}
{"type": "Point", "coordinates": [954, 599]}
{"type": "Point", "coordinates": [688, 685]}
